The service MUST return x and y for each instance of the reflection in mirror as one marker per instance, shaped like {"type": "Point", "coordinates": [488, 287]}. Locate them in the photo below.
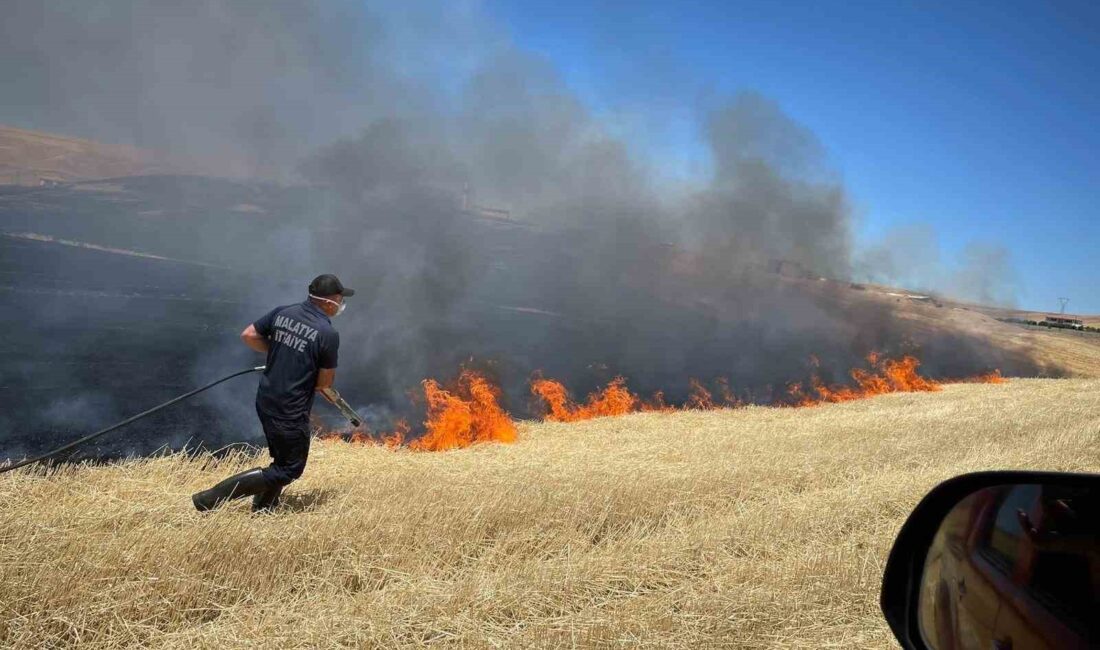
{"type": "Point", "coordinates": [1014, 566]}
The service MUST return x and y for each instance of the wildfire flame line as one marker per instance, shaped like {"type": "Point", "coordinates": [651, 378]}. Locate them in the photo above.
{"type": "Point", "coordinates": [467, 411]}
{"type": "Point", "coordinates": [464, 413]}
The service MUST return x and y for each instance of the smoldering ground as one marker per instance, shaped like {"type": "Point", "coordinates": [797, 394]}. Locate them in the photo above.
{"type": "Point", "coordinates": [482, 212]}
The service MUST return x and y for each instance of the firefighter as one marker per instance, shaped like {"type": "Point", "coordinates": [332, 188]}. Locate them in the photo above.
{"type": "Point", "coordinates": [302, 348]}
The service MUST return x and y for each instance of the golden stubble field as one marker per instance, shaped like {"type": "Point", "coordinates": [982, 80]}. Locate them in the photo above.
{"type": "Point", "coordinates": [758, 527]}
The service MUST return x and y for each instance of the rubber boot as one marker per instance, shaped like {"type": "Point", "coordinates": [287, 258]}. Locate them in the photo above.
{"type": "Point", "coordinates": [267, 500]}
{"type": "Point", "coordinates": [241, 485]}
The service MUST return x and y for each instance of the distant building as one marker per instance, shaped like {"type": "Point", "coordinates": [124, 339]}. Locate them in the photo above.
{"type": "Point", "coordinates": [1064, 322]}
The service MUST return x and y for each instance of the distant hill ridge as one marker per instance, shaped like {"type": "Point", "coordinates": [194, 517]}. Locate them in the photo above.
{"type": "Point", "coordinates": [32, 158]}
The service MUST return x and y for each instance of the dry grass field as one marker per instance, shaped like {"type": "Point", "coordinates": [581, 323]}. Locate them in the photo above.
{"type": "Point", "coordinates": [1077, 354]}
{"type": "Point", "coordinates": [1057, 352]}
{"type": "Point", "coordinates": [755, 527]}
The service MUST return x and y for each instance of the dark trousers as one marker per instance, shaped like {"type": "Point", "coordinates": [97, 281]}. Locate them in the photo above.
{"type": "Point", "coordinates": [288, 442]}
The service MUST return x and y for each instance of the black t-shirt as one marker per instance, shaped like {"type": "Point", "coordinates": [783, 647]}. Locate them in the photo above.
{"type": "Point", "coordinates": [300, 340]}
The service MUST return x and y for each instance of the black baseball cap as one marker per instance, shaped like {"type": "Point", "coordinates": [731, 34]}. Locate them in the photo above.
{"type": "Point", "coordinates": [329, 285]}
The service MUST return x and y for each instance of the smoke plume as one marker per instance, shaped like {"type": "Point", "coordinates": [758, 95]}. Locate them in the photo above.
{"type": "Point", "coordinates": [479, 208]}
{"type": "Point", "coordinates": [911, 257]}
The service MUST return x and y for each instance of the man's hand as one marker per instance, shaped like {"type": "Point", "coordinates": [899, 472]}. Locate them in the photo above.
{"type": "Point", "coordinates": [325, 378]}
{"type": "Point", "coordinates": [254, 339]}
{"type": "Point", "coordinates": [334, 398]}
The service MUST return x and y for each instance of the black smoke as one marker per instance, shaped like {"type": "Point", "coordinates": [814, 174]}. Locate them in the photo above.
{"type": "Point", "coordinates": [596, 273]}
{"type": "Point", "coordinates": [481, 210]}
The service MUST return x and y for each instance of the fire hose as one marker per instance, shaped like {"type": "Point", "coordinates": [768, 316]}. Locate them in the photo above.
{"type": "Point", "coordinates": [75, 443]}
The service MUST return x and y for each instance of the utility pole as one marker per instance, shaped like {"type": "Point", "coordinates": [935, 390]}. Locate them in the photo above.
{"type": "Point", "coordinates": [1064, 301]}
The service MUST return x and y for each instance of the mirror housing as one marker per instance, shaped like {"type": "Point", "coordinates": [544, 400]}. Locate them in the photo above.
{"type": "Point", "coordinates": [902, 579]}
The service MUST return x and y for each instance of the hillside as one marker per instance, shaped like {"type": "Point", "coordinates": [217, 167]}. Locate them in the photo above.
{"type": "Point", "coordinates": [1071, 353]}
{"type": "Point", "coordinates": [35, 158]}
{"type": "Point", "coordinates": [756, 527]}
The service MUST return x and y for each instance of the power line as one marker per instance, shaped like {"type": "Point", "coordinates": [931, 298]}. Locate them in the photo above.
{"type": "Point", "coordinates": [1064, 301]}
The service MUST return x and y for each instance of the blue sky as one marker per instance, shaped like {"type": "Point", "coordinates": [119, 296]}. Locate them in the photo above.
{"type": "Point", "coordinates": [978, 120]}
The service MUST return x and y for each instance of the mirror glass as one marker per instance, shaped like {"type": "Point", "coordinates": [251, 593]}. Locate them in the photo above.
{"type": "Point", "coordinates": [1014, 566]}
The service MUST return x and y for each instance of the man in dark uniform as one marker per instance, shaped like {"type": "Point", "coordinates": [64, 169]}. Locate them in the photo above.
{"type": "Point", "coordinates": [301, 347]}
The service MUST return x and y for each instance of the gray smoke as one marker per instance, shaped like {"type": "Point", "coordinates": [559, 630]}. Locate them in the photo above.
{"type": "Point", "coordinates": [225, 87]}
{"type": "Point", "coordinates": [484, 215]}
{"type": "Point", "coordinates": [911, 257]}
{"type": "Point", "coordinates": [770, 198]}
{"type": "Point", "coordinates": [986, 275]}
{"type": "Point", "coordinates": [609, 277]}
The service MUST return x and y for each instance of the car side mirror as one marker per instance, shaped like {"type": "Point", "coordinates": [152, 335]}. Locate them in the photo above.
{"type": "Point", "coordinates": [998, 560]}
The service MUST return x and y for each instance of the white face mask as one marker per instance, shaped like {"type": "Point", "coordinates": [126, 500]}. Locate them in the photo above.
{"type": "Point", "coordinates": [340, 306]}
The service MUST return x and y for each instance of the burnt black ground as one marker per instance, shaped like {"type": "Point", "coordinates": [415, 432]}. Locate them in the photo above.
{"type": "Point", "coordinates": [91, 336]}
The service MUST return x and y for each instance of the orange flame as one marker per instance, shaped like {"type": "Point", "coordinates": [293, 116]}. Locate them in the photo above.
{"type": "Point", "coordinates": [700, 398]}
{"type": "Point", "coordinates": [888, 376]}
{"type": "Point", "coordinates": [616, 399]}
{"type": "Point", "coordinates": [992, 377]}
{"type": "Point", "coordinates": [884, 376]}
{"type": "Point", "coordinates": [613, 399]}
{"type": "Point", "coordinates": [468, 410]}
{"type": "Point", "coordinates": [656, 404]}
{"type": "Point", "coordinates": [728, 398]}
{"type": "Point", "coordinates": [364, 436]}
{"type": "Point", "coordinates": [464, 413]}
